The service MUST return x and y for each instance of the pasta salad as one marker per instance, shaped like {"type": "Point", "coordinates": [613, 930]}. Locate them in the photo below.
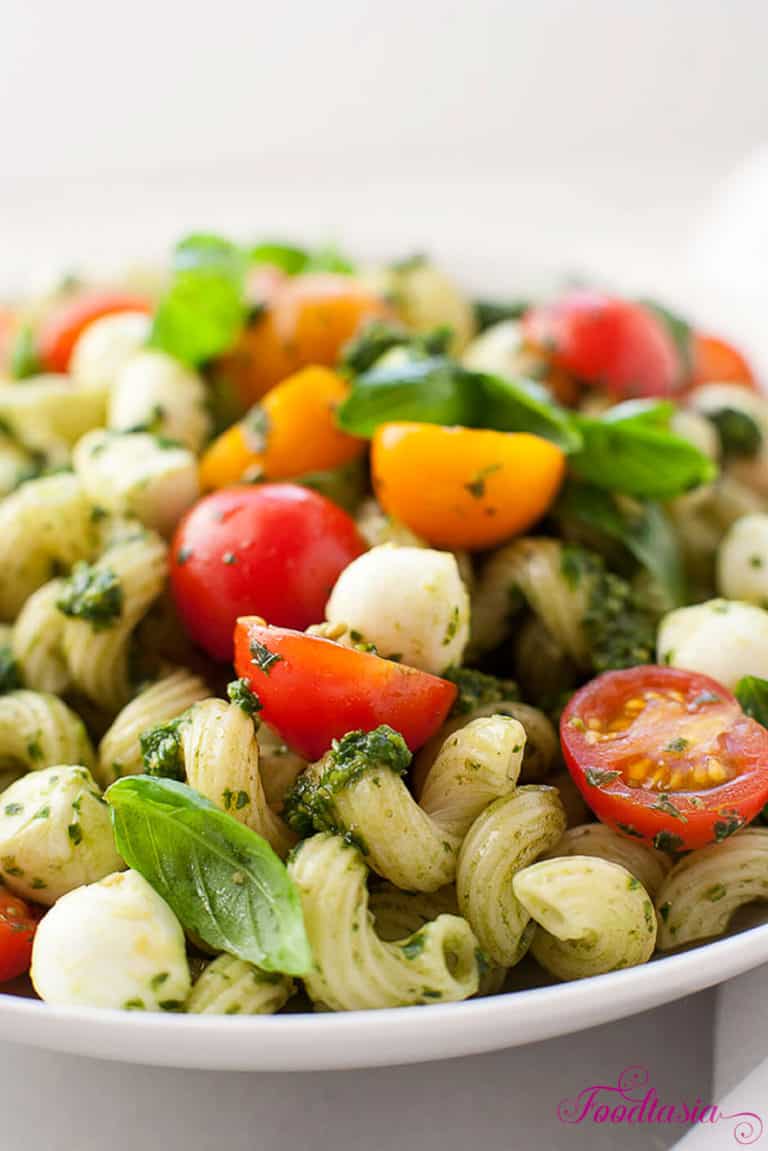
{"type": "Point", "coordinates": [361, 641]}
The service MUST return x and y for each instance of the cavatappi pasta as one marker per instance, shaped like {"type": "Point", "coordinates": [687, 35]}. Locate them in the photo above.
{"type": "Point", "coordinates": [360, 642]}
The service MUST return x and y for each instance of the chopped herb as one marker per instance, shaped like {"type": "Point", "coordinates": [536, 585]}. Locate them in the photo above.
{"type": "Point", "coordinates": [668, 841]}
{"type": "Point", "coordinates": [724, 828]}
{"type": "Point", "coordinates": [413, 946]}
{"type": "Point", "coordinates": [183, 554]}
{"type": "Point", "coordinates": [75, 833]}
{"type": "Point", "coordinates": [755, 561]}
{"type": "Point", "coordinates": [239, 692]}
{"type": "Point", "coordinates": [42, 813]}
{"type": "Point", "coordinates": [740, 435]}
{"type": "Point", "coordinates": [38, 884]}
{"type": "Point", "coordinates": [452, 627]}
{"type": "Point", "coordinates": [476, 689]}
{"type": "Point", "coordinates": [716, 893]}
{"type": "Point", "coordinates": [157, 981]}
{"type": "Point", "coordinates": [628, 829]}
{"type": "Point", "coordinates": [665, 805]}
{"type": "Point", "coordinates": [34, 750]}
{"type": "Point", "coordinates": [476, 486]}
{"type": "Point", "coordinates": [633, 883]}
{"type": "Point", "coordinates": [677, 745]}
{"type": "Point", "coordinates": [10, 673]}
{"type": "Point", "coordinates": [13, 808]}
{"type": "Point", "coordinates": [235, 799]}
{"type": "Point", "coordinates": [161, 749]}
{"type": "Point", "coordinates": [577, 722]}
{"type": "Point", "coordinates": [599, 777]}
{"type": "Point", "coordinates": [134, 1005]}
{"type": "Point", "coordinates": [263, 658]}
{"type": "Point", "coordinates": [92, 593]}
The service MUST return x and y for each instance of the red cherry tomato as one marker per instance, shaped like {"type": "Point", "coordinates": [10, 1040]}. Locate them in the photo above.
{"type": "Point", "coordinates": [666, 755]}
{"type": "Point", "coordinates": [613, 344]}
{"type": "Point", "coordinates": [18, 923]}
{"type": "Point", "coordinates": [65, 323]}
{"type": "Point", "coordinates": [275, 550]}
{"type": "Point", "coordinates": [314, 691]}
{"type": "Point", "coordinates": [717, 362]}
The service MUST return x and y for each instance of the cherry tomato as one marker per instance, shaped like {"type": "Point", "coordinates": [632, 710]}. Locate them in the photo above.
{"type": "Point", "coordinates": [65, 323]}
{"type": "Point", "coordinates": [606, 342]}
{"type": "Point", "coordinates": [275, 550]}
{"type": "Point", "coordinates": [717, 362]}
{"type": "Point", "coordinates": [314, 691]}
{"type": "Point", "coordinates": [17, 929]}
{"type": "Point", "coordinates": [666, 755]}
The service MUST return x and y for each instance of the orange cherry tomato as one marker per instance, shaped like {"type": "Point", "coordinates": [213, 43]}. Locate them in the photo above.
{"type": "Point", "coordinates": [307, 320]}
{"type": "Point", "coordinates": [464, 487]}
{"type": "Point", "coordinates": [65, 323]}
{"type": "Point", "coordinates": [717, 362]}
{"type": "Point", "coordinates": [291, 432]}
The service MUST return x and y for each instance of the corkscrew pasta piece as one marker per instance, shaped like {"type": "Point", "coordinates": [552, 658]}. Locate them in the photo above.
{"type": "Point", "coordinates": [45, 525]}
{"type": "Point", "coordinates": [156, 393]}
{"type": "Point", "coordinates": [230, 986]}
{"type": "Point", "coordinates": [592, 916]}
{"type": "Point", "coordinates": [38, 730]}
{"type": "Point", "coordinates": [36, 640]}
{"type": "Point", "coordinates": [646, 863]}
{"type": "Point", "coordinates": [509, 835]}
{"type": "Point", "coordinates": [354, 969]}
{"type": "Point", "coordinates": [280, 767]}
{"type": "Point", "coordinates": [120, 749]}
{"type": "Point", "coordinates": [103, 602]}
{"type": "Point", "coordinates": [16, 464]}
{"type": "Point", "coordinates": [48, 415]}
{"type": "Point", "coordinates": [55, 834]}
{"type": "Point", "coordinates": [704, 889]}
{"type": "Point", "coordinates": [357, 788]}
{"type": "Point", "coordinates": [136, 474]}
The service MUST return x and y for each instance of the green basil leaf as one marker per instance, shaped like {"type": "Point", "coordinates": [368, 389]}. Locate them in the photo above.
{"type": "Point", "coordinates": [680, 331]}
{"type": "Point", "coordinates": [204, 309]}
{"type": "Point", "coordinates": [490, 312]}
{"type": "Point", "coordinates": [643, 528]}
{"type": "Point", "coordinates": [223, 881]}
{"type": "Point", "coordinates": [376, 338]}
{"type": "Point", "coordinates": [523, 406]}
{"type": "Point", "coordinates": [752, 694]}
{"type": "Point", "coordinates": [648, 413]}
{"type": "Point", "coordinates": [294, 261]}
{"type": "Point", "coordinates": [638, 457]}
{"type": "Point", "coordinates": [430, 391]}
{"type": "Point", "coordinates": [24, 358]}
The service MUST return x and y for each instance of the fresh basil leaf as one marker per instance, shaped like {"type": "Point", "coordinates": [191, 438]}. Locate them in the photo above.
{"type": "Point", "coordinates": [430, 391]}
{"type": "Point", "coordinates": [223, 881]}
{"type": "Point", "coordinates": [752, 694]}
{"type": "Point", "coordinates": [294, 261]}
{"type": "Point", "coordinates": [24, 358]}
{"type": "Point", "coordinates": [378, 337]}
{"type": "Point", "coordinates": [642, 527]}
{"type": "Point", "coordinates": [648, 413]}
{"type": "Point", "coordinates": [638, 457]}
{"type": "Point", "coordinates": [523, 406]}
{"type": "Point", "coordinates": [490, 312]}
{"type": "Point", "coordinates": [204, 309]}
{"type": "Point", "coordinates": [680, 331]}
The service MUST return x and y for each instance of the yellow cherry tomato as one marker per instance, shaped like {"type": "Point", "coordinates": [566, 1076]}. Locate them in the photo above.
{"type": "Point", "coordinates": [291, 432]}
{"type": "Point", "coordinates": [464, 487]}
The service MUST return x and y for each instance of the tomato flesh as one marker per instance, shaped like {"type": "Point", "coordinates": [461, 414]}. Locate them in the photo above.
{"type": "Point", "coordinates": [609, 343]}
{"type": "Point", "coordinates": [314, 691]}
{"type": "Point", "coordinates": [17, 930]}
{"type": "Point", "coordinates": [62, 328]}
{"type": "Point", "coordinates": [715, 361]}
{"type": "Point", "coordinates": [274, 550]}
{"type": "Point", "coordinates": [666, 755]}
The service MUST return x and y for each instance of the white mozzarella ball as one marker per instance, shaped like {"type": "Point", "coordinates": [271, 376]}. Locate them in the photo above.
{"type": "Point", "coordinates": [742, 560]}
{"type": "Point", "coordinates": [407, 601]}
{"type": "Point", "coordinates": [113, 944]}
{"type": "Point", "coordinates": [105, 346]}
{"type": "Point", "coordinates": [499, 351]}
{"type": "Point", "coordinates": [722, 638]}
{"type": "Point", "coordinates": [137, 475]}
{"type": "Point", "coordinates": [55, 834]}
{"type": "Point", "coordinates": [156, 393]}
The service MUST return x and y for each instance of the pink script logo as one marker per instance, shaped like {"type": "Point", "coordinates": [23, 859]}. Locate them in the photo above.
{"type": "Point", "coordinates": [631, 1101]}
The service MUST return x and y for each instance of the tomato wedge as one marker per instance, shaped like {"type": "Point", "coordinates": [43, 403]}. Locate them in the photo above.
{"type": "Point", "coordinates": [715, 361]}
{"type": "Point", "coordinates": [313, 690]}
{"type": "Point", "coordinates": [614, 344]}
{"type": "Point", "coordinates": [666, 755]}
{"type": "Point", "coordinates": [63, 326]}
{"type": "Point", "coordinates": [18, 923]}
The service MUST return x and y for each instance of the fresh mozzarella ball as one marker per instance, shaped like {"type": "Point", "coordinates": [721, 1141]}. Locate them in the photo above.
{"type": "Point", "coordinates": [697, 430]}
{"type": "Point", "coordinates": [425, 298]}
{"type": "Point", "coordinates": [499, 351]}
{"type": "Point", "coordinates": [156, 393]}
{"type": "Point", "coordinates": [407, 601]}
{"type": "Point", "coordinates": [113, 944]}
{"type": "Point", "coordinates": [722, 638]}
{"type": "Point", "coordinates": [137, 475]}
{"type": "Point", "coordinates": [55, 834]}
{"type": "Point", "coordinates": [710, 399]}
{"type": "Point", "coordinates": [742, 561]}
{"type": "Point", "coordinates": [105, 346]}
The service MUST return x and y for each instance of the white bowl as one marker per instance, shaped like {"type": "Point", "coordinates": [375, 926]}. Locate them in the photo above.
{"type": "Point", "coordinates": [315, 1042]}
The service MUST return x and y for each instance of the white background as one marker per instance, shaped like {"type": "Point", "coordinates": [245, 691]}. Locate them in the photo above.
{"type": "Point", "coordinates": [517, 140]}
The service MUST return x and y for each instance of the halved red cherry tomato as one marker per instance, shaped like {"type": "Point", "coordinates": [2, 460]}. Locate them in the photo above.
{"type": "Point", "coordinates": [65, 323]}
{"type": "Point", "coordinates": [18, 923]}
{"type": "Point", "coordinates": [614, 344]}
{"type": "Point", "coordinates": [715, 361]}
{"type": "Point", "coordinates": [314, 691]}
{"type": "Point", "coordinates": [666, 755]}
{"type": "Point", "coordinates": [275, 550]}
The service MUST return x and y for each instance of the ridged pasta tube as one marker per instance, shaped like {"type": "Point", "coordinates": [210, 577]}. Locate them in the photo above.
{"type": "Point", "coordinates": [510, 835]}
{"type": "Point", "coordinates": [154, 392]}
{"type": "Point", "coordinates": [45, 525]}
{"type": "Point", "coordinates": [646, 863]}
{"type": "Point", "coordinates": [280, 767]}
{"type": "Point", "coordinates": [137, 474]}
{"type": "Point", "coordinates": [36, 640]}
{"type": "Point", "coordinates": [220, 751]}
{"type": "Point", "coordinates": [593, 916]}
{"type": "Point", "coordinates": [230, 986]}
{"type": "Point", "coordinates": [97, 651]}
{"type": "Point", "coordinates": [120, 750]}
{"type": "Point", "coordinates": [38, 730]}
{"type": "Point", "coordinates": [704, 890]}
{"type": "Point", "coordinates": [357, 788]}
{"type": "Point", "coordinates": [353, 968]}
